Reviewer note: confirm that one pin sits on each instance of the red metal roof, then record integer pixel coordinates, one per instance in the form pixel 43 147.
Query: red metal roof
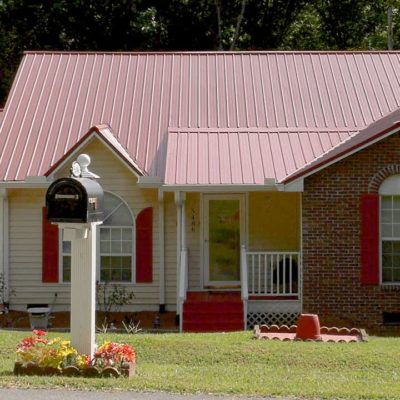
pixel 297 105
pixel 377 130
pixel 237 156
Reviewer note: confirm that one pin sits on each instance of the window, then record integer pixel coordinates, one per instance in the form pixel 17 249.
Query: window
pixel 390 229
pixel 116 241
pixel 390 238
pixel 66 260
pixel 115 244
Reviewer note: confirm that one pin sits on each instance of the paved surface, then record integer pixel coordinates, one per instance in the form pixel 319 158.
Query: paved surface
pixel 59 394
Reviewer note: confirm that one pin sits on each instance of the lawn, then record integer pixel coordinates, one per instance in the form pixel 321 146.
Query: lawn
pixel 235 363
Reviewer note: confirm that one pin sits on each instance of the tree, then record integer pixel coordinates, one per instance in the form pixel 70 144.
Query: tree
pixel 131 25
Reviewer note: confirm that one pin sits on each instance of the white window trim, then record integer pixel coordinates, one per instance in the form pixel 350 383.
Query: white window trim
pixel 60 259
pixel 133 254
pixel 389 187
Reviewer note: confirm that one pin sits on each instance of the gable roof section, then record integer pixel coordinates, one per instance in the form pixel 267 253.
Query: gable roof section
pixel 105 135
pixel 377 131
pixel 57 97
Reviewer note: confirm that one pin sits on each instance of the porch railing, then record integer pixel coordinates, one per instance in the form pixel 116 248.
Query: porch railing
pixel 274 274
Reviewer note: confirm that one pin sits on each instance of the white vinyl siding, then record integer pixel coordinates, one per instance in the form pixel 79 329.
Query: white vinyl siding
pixel 26 237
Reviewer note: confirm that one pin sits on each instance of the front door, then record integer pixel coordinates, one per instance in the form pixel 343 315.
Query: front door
pixel 222 235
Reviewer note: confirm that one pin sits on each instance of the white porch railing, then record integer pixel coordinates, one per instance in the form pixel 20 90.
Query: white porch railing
pixel 183 284
pixel 273 273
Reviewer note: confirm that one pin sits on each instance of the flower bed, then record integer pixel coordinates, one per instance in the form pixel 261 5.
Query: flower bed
pixel 37 355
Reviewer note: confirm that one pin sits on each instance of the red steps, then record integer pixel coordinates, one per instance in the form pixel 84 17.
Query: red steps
pixel 213 312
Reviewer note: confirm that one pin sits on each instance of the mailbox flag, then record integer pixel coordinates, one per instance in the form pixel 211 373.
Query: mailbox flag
pixel 49 250
pixel 144 246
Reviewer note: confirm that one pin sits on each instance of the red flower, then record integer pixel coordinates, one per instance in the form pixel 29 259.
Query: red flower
pixel 114 353
pixel 38 332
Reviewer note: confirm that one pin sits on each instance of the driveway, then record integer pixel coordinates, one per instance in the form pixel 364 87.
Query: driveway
pixel 60 394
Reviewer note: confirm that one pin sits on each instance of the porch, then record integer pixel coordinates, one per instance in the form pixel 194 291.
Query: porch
pixel 243 265
pixel 270 293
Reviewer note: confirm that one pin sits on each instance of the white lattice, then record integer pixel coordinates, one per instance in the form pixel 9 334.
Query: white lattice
pixel 272 313
pixel 272 318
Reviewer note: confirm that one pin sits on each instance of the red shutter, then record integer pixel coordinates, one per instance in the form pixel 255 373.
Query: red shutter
pixel 144 246
pixel 49 250
pixel 369 209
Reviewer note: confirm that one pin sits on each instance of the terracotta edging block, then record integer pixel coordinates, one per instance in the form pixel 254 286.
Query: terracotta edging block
pixel 309 330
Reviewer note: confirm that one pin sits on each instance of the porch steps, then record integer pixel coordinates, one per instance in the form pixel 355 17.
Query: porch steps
pixel 213 312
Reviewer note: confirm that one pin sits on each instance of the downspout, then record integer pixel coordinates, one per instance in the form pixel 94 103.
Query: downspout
pixel 4 261
pixel 161 249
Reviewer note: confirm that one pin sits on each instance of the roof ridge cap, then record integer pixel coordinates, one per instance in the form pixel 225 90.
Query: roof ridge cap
pixel 213 52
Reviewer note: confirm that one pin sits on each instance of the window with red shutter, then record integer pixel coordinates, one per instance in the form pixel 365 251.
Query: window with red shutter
pixel 49 250
pixel 369 209
pixel 144 246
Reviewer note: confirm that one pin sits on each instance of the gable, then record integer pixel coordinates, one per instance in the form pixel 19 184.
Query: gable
pixel 104 134
pixel 104 162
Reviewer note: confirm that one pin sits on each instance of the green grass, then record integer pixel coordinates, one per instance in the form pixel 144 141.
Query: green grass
pixel 235 363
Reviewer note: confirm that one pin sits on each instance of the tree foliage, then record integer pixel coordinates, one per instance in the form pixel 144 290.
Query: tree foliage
pixel 131 25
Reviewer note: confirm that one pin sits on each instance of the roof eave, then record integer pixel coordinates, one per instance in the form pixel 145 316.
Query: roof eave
pixel 225 188
pixel 312 169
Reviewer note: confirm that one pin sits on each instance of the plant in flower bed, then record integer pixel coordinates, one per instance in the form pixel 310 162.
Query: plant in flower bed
pixel 38 355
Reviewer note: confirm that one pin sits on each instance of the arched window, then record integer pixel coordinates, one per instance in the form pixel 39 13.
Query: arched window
pixel 389 192
pixel 116 241
pixel 115 245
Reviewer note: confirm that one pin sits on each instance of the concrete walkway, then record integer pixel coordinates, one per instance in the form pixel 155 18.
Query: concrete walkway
pixel 61 394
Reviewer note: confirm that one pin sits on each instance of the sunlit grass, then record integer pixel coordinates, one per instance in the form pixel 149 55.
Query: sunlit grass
pixel 235 363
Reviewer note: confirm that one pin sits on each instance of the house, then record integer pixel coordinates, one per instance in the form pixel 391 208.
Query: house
pixel 240 187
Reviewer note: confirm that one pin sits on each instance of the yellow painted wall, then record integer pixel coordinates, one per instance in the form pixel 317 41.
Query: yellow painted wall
pixel 274 221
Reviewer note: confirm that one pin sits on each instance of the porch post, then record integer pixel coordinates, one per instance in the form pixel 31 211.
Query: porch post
pixel 161 248
pixel 4 262
pixel 300 272
pixel 180 199
pixel 178 203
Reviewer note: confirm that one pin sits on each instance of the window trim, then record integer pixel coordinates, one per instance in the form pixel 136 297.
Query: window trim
pixel 98 227
pixel 389 187
pixel 60 259
pixel 132 255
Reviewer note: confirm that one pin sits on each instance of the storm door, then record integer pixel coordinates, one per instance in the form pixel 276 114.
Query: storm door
pixel 223 236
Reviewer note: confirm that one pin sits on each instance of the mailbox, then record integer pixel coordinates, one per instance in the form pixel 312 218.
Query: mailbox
pixel 76 200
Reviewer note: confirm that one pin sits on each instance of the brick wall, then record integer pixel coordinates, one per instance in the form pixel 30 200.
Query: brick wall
pixel 331 240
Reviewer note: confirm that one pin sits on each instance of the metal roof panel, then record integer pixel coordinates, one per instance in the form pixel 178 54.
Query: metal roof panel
pixel 301 105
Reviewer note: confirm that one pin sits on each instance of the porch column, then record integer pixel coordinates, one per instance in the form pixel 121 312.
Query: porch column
pixel 180 199
pixel 4 261
pixel 161 249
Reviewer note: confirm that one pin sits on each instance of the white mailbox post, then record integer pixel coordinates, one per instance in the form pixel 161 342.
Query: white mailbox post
pixel 83 284
pixel 76 205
